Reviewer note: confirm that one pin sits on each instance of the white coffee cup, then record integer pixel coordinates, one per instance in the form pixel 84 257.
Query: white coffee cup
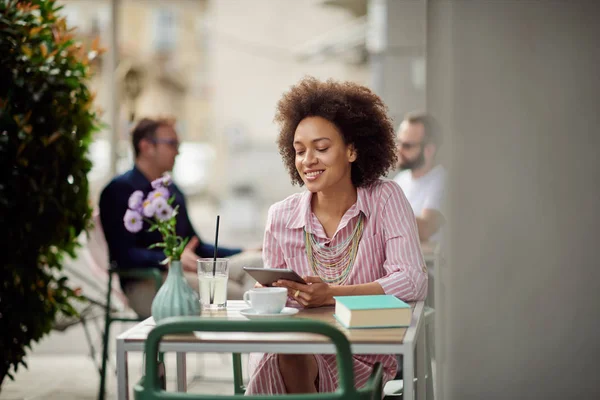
pixel 266 300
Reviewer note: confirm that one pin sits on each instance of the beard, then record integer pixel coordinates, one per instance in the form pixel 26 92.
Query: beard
pixel 415 163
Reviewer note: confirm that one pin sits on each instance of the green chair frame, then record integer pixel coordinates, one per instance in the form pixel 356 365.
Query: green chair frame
pixel 149 389
pixel 110 316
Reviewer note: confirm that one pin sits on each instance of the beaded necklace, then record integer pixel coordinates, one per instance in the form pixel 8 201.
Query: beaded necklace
pixel 333 264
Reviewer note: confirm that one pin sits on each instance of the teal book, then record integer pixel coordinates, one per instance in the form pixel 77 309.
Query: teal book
pixel 372 311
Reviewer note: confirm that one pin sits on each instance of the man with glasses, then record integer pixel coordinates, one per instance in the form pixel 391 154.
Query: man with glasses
pixel 422 178
pixel 156 145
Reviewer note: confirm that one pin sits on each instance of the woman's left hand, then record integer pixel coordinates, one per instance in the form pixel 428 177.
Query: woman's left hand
pixel 315 293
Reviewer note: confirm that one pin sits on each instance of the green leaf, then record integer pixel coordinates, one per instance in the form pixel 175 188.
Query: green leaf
pixel 180 248
pixel 184 242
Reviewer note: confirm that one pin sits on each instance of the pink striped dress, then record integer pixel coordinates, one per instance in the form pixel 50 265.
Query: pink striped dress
pixel 389 253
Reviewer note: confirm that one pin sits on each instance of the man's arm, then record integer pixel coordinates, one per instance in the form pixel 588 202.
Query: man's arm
pixel 121 243
pixel 204 250
pixel 432 217
pixel 429 223
pixel 208 250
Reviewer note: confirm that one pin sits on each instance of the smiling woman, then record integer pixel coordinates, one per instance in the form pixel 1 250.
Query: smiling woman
pixel 349 233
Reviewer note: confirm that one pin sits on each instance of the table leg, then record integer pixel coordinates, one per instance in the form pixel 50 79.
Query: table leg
pixel 181 373
pixel 122 375
pixel 438 343
pixel 408 375
pixel 421 343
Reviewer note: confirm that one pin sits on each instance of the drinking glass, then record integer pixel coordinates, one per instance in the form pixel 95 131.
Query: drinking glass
pixel 212 278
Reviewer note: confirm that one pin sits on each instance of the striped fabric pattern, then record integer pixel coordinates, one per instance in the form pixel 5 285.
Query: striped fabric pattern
pixel 389 253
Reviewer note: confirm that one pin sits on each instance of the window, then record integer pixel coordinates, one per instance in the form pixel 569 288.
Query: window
pixel 165 30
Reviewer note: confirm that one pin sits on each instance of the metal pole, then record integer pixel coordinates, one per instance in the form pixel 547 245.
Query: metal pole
pixel 376 42
pixel 113 61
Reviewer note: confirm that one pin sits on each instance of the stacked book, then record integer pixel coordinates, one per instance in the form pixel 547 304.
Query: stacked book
pixel 372 311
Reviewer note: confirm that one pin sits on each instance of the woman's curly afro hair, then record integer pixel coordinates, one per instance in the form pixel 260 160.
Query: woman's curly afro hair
pixel 355 110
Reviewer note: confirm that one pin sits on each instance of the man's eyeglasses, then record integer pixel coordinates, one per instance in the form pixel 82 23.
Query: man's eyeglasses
pixel 171 142
pixel 409 145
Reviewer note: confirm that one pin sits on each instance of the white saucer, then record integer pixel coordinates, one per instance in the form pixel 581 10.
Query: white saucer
pixel 286 312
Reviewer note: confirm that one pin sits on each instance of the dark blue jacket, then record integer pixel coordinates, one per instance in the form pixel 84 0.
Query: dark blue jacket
pixel 130 250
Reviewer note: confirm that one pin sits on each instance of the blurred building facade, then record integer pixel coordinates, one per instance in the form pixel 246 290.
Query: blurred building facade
pixel 219 67
pixel 162 58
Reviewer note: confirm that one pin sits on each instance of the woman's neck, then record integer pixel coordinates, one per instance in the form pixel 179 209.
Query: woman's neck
pixel 334 202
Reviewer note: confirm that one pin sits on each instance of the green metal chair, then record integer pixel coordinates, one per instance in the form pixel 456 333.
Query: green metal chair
pixel 110 315
pixel 148 387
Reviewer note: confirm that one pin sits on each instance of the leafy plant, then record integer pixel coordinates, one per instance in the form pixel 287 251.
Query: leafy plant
pixel 46 126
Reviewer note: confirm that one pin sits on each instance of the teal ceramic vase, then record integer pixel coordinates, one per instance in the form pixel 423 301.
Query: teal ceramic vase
pixel 175 297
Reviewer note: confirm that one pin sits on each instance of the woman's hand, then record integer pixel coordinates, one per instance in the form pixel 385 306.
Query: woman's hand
pixel 315 293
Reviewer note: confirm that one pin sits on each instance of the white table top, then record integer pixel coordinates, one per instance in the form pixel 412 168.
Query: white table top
pixel 365 341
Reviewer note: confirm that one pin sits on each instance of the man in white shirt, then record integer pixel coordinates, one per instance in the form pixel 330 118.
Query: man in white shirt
pixel 422 179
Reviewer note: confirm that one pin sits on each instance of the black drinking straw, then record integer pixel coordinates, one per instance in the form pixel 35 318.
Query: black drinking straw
pixel 212 287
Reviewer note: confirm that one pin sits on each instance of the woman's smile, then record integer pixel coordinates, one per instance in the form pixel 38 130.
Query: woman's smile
pixel 313 174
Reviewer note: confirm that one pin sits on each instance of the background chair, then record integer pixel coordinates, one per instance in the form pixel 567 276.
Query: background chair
pixel 394 389
pixel 103 297
pixel 111 315
pixel 97 258
pixel 148 387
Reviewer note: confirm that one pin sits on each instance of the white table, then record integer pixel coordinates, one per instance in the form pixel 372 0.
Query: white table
pixel 362 341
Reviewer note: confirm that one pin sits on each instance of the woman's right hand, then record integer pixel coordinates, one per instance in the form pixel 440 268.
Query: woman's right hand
pixel 315 293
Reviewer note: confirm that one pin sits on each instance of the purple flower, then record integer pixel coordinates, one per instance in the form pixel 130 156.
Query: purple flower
pixel 164 213
pixel 135 200
pixel 162 182
pixel 160 192
pixel 157 183
pixel 166 179
pixel 133 221
pixel 148 208
pixel 159 203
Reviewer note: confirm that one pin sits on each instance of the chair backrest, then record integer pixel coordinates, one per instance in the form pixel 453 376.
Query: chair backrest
pixel 97 258
pixel 88 272
pixel 97 247
pixel 148 388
